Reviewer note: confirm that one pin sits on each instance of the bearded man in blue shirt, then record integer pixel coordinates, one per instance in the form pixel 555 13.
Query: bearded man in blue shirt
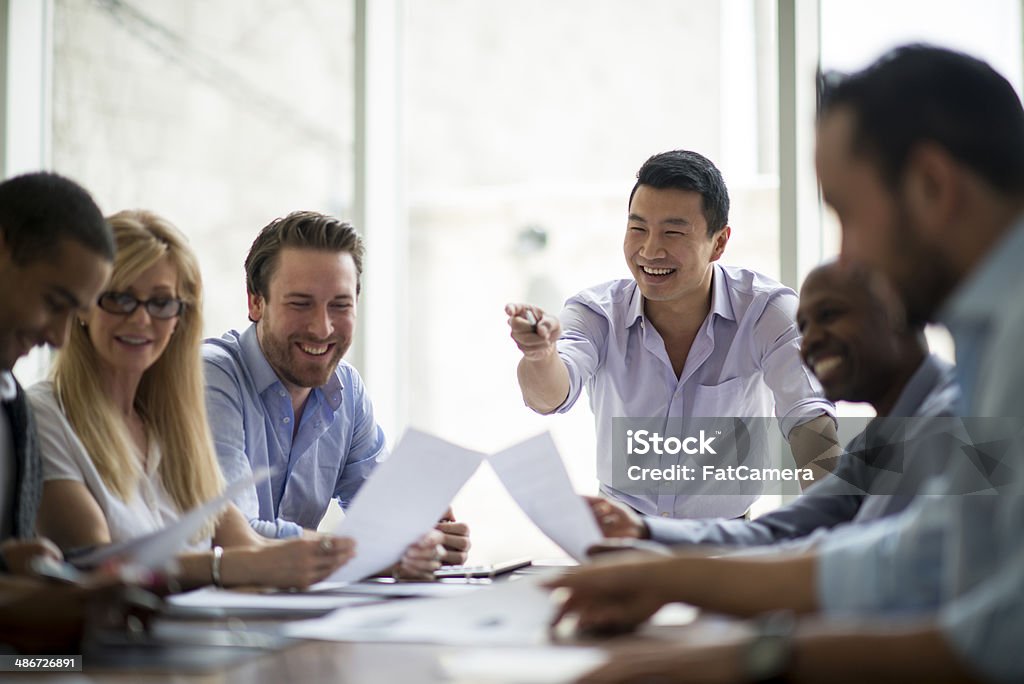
pixel 280 395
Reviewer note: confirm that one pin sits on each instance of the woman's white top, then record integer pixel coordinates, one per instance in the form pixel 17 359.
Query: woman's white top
pixel 64 457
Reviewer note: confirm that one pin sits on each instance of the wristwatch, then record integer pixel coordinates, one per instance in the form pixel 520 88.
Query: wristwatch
pixel 769 655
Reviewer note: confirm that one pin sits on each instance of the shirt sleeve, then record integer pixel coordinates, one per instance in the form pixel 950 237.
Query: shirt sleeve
pixel 581 346
pixel 985 620
pixel 368 446
pixel 224 409
pixel 825 505
pixel 798 395
pixel 892 565
pixel 985 625
pixel 58 443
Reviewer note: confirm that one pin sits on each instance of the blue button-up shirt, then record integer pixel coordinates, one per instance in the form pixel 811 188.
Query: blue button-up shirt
pixel 334 450
pixel 744 362
pixel 962 555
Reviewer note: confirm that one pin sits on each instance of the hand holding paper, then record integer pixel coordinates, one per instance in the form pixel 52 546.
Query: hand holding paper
pixel 535 476
pixel 402 500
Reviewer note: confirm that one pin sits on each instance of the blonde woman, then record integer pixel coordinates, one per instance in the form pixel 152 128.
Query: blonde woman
pixel 123 431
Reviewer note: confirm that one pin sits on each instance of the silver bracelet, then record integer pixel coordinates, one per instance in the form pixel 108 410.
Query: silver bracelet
pixel 218 553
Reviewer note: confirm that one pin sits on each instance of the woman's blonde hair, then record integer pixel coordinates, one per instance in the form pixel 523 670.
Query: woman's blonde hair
pixel 170 397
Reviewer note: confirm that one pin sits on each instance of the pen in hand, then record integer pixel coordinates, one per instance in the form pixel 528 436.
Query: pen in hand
pixel 531 319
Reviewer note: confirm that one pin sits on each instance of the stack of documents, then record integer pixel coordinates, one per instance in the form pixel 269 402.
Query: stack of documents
pixel 213 602
pixel 514 613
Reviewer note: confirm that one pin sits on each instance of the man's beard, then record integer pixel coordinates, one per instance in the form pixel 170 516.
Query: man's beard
pixel 921 273
pixel 280 355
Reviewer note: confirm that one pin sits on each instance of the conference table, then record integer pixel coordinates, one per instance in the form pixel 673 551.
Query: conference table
pixel 251 651
pixel 309 662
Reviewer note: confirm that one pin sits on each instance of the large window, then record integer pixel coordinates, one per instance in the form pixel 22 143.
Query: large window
pixel 524 126
pixel 219 115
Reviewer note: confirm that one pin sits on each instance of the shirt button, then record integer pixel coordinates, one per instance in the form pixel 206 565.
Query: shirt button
pixel 281 392
pixel 286 420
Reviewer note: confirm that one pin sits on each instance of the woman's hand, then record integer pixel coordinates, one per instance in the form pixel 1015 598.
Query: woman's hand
pixel 19 553
pixel 291 564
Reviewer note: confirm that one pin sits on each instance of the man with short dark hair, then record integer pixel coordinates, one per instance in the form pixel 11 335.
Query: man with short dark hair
pixel 684 337
pixel 56 252
pixel 280 394
pixel 55 256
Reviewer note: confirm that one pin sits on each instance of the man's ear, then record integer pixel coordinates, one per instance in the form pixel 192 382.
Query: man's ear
pixel 256 304
pixel 720 239
pixel 932 188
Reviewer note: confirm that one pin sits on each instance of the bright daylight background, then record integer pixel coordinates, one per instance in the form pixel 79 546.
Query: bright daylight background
pixel 490 147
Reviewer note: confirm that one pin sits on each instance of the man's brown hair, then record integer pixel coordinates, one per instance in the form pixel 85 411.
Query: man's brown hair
pixel 305 230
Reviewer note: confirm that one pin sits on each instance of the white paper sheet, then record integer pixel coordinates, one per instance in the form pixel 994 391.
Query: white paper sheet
pixel 412 489
pixel 397 589
pixel 245 603
pixel 535 476
pixel 157 549
pixel 402 501
pixel 674 614
pixel 515 613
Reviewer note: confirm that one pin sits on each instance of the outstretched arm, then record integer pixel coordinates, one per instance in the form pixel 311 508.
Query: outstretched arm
pixel 820 652
pixel 619 595
pixel 543 376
